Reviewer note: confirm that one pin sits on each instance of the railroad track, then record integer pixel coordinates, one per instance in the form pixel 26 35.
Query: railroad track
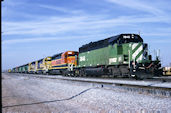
pixel 159 79
pixel 156 86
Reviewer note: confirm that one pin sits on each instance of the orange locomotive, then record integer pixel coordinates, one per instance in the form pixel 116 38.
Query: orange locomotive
pixel 64 63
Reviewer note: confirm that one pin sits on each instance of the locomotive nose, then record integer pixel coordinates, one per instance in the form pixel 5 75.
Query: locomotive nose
pixel 137 52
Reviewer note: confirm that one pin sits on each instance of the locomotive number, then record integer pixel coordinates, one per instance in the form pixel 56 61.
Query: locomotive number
pixel 111 60
pixel 82 58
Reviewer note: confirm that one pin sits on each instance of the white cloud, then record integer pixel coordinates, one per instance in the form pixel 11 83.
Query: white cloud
pixel 26 40
pixel 138 5
pixel 55 25
pixel 159 41
pixel 155 33
pixel 40 39
pixel 61 9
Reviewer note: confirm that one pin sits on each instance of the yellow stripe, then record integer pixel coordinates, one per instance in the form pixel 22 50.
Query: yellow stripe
pixel 58 68
pixel 59 64
pixel 71 57
pixel 57 59
pixel 39 69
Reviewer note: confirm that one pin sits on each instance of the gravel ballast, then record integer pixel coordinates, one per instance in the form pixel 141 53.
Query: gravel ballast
pixel 31 94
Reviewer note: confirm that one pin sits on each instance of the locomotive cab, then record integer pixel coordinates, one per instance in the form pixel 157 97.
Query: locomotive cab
pixel 70 58
pixel 125 38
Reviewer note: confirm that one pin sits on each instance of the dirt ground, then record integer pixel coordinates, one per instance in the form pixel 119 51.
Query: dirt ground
pixel 24 94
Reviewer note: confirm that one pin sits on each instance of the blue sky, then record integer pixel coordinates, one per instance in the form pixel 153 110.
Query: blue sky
pixel 33 29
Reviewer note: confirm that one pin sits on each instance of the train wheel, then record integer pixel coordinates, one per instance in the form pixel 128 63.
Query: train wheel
pixel 115 72
pixel 66 73
pixel 76 73
pixel 83 73
pixel 139 75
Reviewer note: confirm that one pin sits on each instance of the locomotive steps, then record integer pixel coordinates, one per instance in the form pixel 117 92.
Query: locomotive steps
pixel 152 87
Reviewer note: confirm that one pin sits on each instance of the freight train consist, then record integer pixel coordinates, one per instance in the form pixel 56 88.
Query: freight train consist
pixel 124 55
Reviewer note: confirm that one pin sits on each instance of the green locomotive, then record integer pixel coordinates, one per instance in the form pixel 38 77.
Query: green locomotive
pixel 124 55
